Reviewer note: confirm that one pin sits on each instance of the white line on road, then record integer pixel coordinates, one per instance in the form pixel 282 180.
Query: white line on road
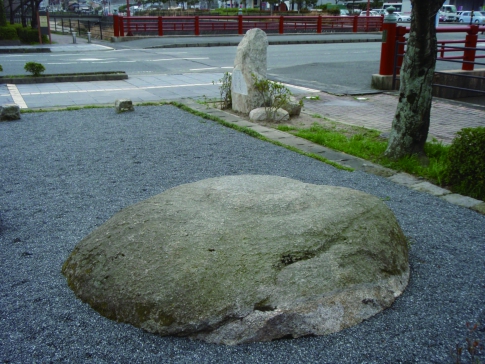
pixel 114 89
pixel 203 69
pixel 16 97
pixel 176 59
pixel 300 88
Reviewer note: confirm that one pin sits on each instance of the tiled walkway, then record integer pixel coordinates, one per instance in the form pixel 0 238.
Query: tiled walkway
pixel 376 111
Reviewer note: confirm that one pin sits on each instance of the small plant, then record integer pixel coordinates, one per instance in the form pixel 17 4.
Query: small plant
pixel 35 68
pixel 274 94
pixel 1 68
pixel 225 91
pixel 473 347
pixel 313 97
pixel 465 171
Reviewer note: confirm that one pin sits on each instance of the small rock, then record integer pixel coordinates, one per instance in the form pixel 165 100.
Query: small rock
pixel 123 105
pixel 265 114
pixel 9 112
pixel 293 107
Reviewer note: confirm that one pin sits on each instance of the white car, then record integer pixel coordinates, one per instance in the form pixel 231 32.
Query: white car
pixel 380 11
pixel 478 17
pixel 370 13
pixel 402 17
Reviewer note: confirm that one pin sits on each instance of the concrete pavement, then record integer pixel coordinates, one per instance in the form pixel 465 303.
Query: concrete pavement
pixel 373 111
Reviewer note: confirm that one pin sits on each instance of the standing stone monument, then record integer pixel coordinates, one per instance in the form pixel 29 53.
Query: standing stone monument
pixel 251 59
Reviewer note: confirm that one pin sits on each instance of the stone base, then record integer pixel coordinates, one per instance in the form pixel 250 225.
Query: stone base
pixel 381 82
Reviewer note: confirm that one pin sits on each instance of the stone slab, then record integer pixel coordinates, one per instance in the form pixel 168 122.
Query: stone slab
pixel 430 188
pixel 404 179
pixel 460 200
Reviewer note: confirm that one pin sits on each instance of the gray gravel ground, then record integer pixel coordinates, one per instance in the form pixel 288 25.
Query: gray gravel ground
pixel 64 173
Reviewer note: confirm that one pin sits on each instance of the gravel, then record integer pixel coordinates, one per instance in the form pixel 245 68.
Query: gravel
pixel 65 173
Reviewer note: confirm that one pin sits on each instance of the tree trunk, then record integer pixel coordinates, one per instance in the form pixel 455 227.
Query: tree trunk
pixel 411 122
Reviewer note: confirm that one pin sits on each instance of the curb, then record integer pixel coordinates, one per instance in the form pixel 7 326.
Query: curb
pixel 95 76
pixel 404 179
pixel 276 42
pixel 24 50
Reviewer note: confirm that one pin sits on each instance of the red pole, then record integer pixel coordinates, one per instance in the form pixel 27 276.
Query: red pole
pixel 387 48
pixel 469 54
pixel 160 26
pixel 319 24
pixel 240 24
pixel 400 37
pixel 282 25
pixel 122 28
pixel 116 28
pixel 354 24
pixel 196 25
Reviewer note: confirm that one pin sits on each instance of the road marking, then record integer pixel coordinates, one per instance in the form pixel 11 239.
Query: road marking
pixel 208 68
pixel 113 89
pixel 202 69
pixel 176 59
pixel 17 98
pixel 300 87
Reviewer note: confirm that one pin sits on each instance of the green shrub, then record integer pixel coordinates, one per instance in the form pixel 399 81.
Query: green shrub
pixel 30 35
pixel 335 11
pixel 8 33
pixel 466 163
pixel 35 68
pixel 225 91
pixel 3 18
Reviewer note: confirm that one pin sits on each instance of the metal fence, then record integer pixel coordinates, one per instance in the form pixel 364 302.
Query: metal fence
pixel 239 24
pixel 468 53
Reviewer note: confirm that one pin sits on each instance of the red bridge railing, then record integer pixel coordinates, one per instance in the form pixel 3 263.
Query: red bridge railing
pixel 197 25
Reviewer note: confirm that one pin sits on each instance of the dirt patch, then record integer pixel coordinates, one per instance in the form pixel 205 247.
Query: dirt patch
pixel 303 121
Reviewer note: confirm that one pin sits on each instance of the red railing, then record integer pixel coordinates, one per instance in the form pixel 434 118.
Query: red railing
pixel 469 51
pixel 393 51
pixel 197 25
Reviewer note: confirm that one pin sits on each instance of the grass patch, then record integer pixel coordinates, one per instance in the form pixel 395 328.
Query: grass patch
pixel 367 144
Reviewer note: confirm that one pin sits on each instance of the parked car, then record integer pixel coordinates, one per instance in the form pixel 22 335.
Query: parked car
pixel 380 11
pixel 368 13
pixel 403 17
pixel 478 17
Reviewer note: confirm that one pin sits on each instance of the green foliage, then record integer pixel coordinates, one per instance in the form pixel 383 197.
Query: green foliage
pixel 30 35
pixel 323 6
pixel 1 68
pixel 368 144
pixel 35 68
pixel 466 163
pixel 334 11
pixel 3 18
pixel 225 91
pixel 274 94
pixel 8 33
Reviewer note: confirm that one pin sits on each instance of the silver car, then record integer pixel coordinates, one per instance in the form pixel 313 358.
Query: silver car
pixel 476 17
pixel 402 17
